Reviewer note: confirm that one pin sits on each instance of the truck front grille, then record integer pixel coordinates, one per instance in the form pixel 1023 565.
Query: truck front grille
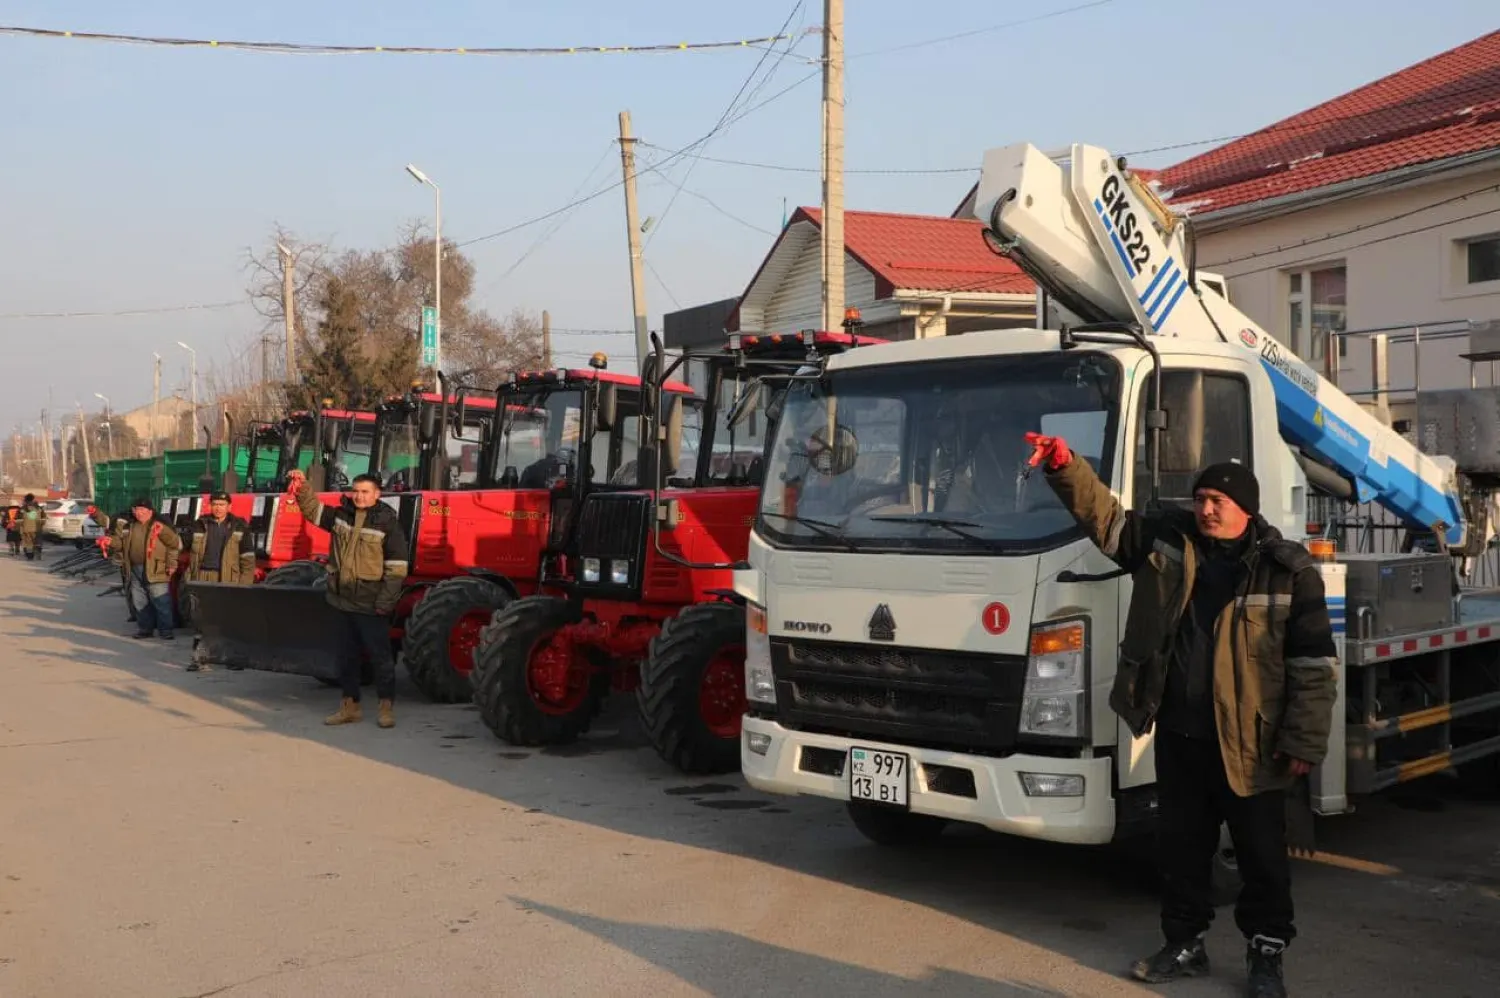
pixel 920 697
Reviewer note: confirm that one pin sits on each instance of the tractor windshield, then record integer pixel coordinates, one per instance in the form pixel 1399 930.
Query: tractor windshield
pixel 353 457
pixel 742 423
pixel 400 449
pixel 539 437
pixel 933 457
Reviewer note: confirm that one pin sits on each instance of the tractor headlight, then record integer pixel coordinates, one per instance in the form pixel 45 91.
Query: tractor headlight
pixel 760 682
pixel 619 572
pixel 1055 701
pixel 590 572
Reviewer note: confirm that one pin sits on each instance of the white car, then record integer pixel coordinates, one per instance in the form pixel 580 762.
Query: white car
pixel 68 520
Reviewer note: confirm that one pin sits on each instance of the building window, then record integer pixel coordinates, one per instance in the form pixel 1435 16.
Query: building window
pixel 1317 308
pixel 1484 259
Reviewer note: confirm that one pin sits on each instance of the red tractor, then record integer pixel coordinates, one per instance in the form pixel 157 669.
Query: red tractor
pixel 561 435
pixel 475 495
pixel 647 605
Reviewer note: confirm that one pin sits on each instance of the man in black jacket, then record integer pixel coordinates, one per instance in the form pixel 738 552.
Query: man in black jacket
pixel 367 563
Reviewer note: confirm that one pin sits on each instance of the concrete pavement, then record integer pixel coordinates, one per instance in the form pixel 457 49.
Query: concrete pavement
pixel 172 834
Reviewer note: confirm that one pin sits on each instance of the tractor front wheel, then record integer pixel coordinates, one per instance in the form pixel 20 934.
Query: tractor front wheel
pixel 443 633
pixel 533 684
pixel 691 696
pixel 297 573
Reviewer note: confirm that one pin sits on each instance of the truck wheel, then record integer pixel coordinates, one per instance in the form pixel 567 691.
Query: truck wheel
pixel 691 696
pixel 296 573
pixel 895 829
pixel 532 684
pixel 443 632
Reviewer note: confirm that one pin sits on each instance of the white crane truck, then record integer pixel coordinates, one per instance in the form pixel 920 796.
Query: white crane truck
pixel 932 638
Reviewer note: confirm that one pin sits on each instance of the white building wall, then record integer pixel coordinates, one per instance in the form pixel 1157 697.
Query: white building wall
pixel 1405 258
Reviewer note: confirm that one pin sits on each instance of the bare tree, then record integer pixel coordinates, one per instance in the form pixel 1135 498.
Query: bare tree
pixel 310 267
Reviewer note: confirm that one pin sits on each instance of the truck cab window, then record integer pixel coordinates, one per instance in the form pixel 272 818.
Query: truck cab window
pixel 1226 408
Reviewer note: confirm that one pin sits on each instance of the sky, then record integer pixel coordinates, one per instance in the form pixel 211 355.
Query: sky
pixel 139 177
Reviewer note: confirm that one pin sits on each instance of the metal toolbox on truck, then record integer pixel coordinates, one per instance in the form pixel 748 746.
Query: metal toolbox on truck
pixel 1392 594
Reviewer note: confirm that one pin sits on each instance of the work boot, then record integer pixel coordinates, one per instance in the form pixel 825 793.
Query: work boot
pixel 387 718
pixel 1172 961
pixel 348 713
pixel 1263 978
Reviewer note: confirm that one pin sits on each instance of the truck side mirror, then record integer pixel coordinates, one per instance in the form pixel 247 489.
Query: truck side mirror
pixel 331 434
pixel 609 404
pixel 1182 442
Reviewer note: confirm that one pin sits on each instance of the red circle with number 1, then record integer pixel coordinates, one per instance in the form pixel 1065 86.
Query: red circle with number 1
pixel 997 618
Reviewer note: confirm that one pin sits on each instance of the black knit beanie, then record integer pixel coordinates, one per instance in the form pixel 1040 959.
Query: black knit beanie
pixel 1234 480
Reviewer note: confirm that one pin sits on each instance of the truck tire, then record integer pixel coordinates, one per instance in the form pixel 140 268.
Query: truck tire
pixel 442 634
pixel 691 696
pixel 297 573
pixel 516 666
pixel 886 826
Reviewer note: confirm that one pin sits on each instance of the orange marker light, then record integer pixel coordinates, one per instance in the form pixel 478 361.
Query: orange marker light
pixel 1057 640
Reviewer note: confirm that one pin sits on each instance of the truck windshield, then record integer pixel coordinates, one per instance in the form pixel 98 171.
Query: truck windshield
pixel 353 458
pixel 931 457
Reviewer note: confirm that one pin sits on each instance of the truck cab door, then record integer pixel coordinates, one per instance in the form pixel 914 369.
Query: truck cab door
pixel 1208 400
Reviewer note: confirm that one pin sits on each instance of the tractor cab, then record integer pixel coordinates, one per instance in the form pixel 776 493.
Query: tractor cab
pixel 644 561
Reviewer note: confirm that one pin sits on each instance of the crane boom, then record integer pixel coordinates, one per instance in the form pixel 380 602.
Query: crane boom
pixel 1106 248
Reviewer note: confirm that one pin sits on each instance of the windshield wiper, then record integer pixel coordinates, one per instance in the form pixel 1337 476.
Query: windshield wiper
pixel 830 530
pixel 952 526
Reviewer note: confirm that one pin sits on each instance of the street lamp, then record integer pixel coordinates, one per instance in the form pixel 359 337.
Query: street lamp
pixel 437 264
pixel 194 375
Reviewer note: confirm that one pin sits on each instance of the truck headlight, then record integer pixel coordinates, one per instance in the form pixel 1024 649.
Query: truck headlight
pixel 1055 701
pixel 619 572
pixel 590 572
pixel 760 682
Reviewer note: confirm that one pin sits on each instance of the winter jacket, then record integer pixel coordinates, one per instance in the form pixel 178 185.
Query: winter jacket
pixel 236 563
pixel 161 544
pixel 1274 664
pixel 31 518
pixel 367 553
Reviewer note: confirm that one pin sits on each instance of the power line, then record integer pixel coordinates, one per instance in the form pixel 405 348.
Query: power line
pixel 205 307
pixel 1357 228
pixel 1371 242
pixel 733 103
pixel 650 267
pixel 983 31
pixel 312 48
pixel 616 185
pixel 720 209
pixel 781 168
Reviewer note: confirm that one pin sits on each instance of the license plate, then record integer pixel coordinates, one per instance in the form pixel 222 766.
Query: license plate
pixel 878 776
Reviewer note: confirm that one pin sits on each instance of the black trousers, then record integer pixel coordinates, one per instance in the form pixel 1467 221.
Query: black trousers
pixel 1194 798
pixel 366 635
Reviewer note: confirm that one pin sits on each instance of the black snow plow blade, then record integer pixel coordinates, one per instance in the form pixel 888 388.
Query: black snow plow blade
pixel 288 629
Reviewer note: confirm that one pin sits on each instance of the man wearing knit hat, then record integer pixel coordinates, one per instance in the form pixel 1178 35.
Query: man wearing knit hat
pixel 1228 655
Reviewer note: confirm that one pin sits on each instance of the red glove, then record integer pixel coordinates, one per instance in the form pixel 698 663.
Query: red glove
pixel 294 482
pixel 103 543
pixel 92 510
pixel 1052 450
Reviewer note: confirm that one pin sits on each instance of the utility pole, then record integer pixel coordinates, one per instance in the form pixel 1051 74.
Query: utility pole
pixel 546 340
pixel 633 227
pixel 288 309
pixel 88 461
pixel 47 449
pixel 833 164
pixel 156 405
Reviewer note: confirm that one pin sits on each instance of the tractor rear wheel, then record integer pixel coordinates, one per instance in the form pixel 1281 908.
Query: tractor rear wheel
pixel 443 632
pixel 691 696
pixel 532 684
pixel 297 573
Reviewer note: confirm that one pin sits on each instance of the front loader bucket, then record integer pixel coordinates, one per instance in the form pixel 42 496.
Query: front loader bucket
pixel 271 628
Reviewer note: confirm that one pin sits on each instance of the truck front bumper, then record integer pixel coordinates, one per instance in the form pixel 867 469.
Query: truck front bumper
pixel 979 789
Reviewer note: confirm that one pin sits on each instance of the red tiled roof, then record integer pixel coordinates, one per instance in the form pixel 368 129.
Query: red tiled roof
pixel 926 252
pixel 1447 106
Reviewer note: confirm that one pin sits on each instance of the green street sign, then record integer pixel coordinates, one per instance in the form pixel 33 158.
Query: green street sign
pixel 429 336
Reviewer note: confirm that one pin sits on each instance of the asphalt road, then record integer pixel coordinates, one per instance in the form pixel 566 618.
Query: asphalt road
pixel 173 834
